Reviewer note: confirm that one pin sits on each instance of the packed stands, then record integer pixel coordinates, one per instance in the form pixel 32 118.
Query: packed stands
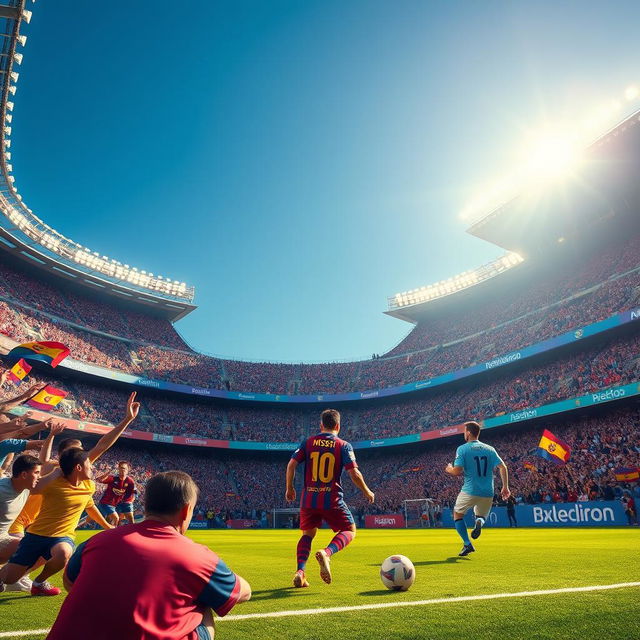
pixel 128 341
pixel 246 486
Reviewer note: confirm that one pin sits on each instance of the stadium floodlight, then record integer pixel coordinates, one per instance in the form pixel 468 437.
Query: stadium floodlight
pixel 22 40
pixel 9 105
pixel 12 89
pixel 8 117
pixel 14 76
pixel 550 155
pixel 18 57
pixel 26 15
pixel 7 130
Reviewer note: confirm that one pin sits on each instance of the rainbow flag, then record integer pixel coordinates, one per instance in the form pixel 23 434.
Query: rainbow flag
pixel 46 399
pixel 530 466
pixel 52 353
pixel 627 474
pixel 552 448
pixel 19 371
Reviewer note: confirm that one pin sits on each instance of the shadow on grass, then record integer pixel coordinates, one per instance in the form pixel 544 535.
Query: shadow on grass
pixel 278 594
pixel 6 598
pixel 451 560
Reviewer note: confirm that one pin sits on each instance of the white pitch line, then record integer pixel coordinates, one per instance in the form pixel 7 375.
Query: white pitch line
pixel 384 605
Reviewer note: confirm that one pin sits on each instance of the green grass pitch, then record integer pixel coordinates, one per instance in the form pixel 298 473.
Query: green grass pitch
pixel 506 561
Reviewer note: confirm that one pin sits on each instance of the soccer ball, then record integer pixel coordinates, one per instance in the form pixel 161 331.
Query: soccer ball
pixel 397 573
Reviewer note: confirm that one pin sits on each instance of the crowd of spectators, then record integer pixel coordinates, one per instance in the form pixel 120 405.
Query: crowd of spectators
pixel 612 361
pixel 251 487
pixel 537 305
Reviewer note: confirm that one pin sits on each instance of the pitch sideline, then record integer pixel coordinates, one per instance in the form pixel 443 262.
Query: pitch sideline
pixel 385 605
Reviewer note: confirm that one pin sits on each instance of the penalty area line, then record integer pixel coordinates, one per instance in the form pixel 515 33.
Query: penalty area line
pixel 383 605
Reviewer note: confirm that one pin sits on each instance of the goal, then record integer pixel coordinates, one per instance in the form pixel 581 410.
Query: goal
pixel 285 518
pixel 422 513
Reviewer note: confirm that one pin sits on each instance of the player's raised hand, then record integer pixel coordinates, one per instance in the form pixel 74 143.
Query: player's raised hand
pixel 505 493
pixel 133 408
pixel 290 494
pixel 56 428
pixel 370 496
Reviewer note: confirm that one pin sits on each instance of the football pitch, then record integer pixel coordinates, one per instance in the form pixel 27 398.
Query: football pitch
pixel 510 568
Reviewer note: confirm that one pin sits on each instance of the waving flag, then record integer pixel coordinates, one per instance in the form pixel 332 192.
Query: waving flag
pixel 530 466
pixel 552 448
pixel 19 371
pixel 46 399
pixel 627 474
pixel 52 353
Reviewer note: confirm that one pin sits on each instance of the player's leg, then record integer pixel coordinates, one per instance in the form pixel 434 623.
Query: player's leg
pixel 59 554
pixel 24 583
pixel 206 630
pixel 108 512
pixel 481 510
pixel 310 520
pixel 125 513
pixel 344 527
pixel 463 503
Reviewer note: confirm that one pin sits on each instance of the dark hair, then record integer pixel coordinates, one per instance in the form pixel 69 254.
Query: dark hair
pixel 123 462
pixel 67 443
pixel 473 428
pixel 24 463
pixel 330 419
pixel 70 458
pixel 168 492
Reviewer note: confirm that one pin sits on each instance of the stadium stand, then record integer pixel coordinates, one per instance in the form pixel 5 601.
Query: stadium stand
pixel 131 342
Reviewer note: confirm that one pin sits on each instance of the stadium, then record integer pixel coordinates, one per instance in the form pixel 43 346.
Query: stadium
pixel 545 337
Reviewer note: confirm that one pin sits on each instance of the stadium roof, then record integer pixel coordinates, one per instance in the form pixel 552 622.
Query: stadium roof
pixel 600 189
pixel 28 238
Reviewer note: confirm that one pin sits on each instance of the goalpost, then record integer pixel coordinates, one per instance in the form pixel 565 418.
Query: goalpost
pixel 421 513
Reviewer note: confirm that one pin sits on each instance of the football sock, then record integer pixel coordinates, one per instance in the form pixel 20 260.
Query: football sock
pixel 303 551
pixel 339 542
pixel 461 528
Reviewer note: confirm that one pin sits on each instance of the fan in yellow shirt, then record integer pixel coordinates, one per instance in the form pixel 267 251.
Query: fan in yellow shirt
pixel 51 535
pixel 31 508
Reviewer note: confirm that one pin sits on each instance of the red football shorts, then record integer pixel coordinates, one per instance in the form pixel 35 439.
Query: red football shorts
pixel 339 518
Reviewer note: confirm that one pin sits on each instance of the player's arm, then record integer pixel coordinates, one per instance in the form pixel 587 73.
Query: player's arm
pixel 94 513
pixel 11 403
pixel 290 494
pixel 358 479
pixel 6 465
pixel 45 481
pixel 13 426
pixel 54 430
pixel 107 440
pixel 457 468
pixel 105 478
pixel 504 476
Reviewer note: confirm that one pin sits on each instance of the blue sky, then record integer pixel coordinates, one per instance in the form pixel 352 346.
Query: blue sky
pixel 297 162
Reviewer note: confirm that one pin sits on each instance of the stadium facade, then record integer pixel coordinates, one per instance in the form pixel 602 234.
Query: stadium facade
pixel 548 334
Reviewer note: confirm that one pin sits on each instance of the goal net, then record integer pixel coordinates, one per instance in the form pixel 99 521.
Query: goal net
pixel 285 518
pixel 422 513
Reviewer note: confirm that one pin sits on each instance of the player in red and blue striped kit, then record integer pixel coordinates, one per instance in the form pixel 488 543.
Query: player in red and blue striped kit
pixel 324 456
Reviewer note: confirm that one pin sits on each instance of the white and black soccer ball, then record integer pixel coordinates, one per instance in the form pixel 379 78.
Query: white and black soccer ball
pixel 397 573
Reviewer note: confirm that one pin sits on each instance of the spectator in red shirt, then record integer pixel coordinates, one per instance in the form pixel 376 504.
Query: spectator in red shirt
pixel 170 583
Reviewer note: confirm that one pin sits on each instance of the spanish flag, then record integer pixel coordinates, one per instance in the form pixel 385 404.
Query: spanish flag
pixel 46 399
pixel 52 353
pixel 627 474
pixel 553 449
pixel 19 371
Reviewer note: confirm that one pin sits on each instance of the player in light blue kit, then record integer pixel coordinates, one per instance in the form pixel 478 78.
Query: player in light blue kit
pixel 476 461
